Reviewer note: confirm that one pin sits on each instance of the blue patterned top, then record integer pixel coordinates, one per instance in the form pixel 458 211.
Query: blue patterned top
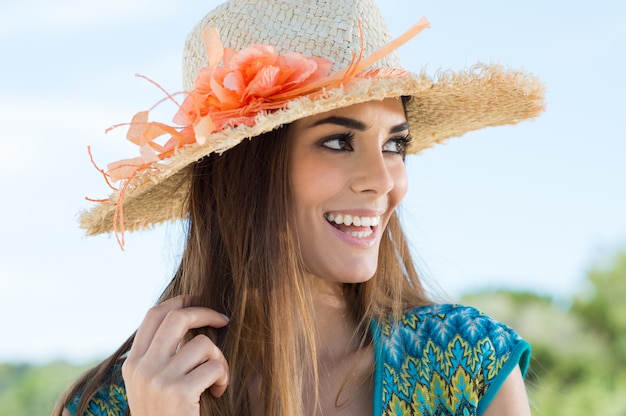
pixel 443 360
pixel 110 400
pixel 439 360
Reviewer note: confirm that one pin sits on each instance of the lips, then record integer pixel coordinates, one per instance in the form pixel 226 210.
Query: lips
pixel 356 226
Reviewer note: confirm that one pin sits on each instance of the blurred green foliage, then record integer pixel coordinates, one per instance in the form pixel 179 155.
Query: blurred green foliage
pixel 579 347
pixel 579 350
pixel 32 390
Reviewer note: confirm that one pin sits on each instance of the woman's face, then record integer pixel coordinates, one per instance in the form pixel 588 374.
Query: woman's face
pixel 347 176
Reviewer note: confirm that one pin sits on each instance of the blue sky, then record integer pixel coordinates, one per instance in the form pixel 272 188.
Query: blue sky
pixel 527 207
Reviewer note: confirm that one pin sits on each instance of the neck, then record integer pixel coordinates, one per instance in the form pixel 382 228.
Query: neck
pixel 335 325
pixel 345 366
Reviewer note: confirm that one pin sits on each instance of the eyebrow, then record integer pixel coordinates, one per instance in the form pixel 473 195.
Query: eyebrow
pixel 342 121
pixel 356 124
pixel 399 128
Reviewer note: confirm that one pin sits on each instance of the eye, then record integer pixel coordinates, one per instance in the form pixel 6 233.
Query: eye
pixel 340 142
pixel 398 145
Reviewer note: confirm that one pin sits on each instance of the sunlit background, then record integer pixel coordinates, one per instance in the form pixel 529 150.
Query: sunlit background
pixel 527 208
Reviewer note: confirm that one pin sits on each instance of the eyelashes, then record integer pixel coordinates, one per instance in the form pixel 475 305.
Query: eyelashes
pixel 344 142
pixel 401 144
pixel 339 142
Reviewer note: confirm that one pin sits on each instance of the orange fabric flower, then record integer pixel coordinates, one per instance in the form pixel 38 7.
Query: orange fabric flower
pixel 233 93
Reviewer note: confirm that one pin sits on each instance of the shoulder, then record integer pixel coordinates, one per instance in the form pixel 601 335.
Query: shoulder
pixel 434 350
pixel 443 325
pixel 108 400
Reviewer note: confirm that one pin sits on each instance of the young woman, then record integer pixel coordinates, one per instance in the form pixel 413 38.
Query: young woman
pixel 296 293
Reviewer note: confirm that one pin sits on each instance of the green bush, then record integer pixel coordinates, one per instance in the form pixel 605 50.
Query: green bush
pixel 579 351
pixel 28 390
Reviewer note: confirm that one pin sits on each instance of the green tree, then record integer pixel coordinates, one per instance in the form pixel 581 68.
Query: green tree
pixel 27 390
pixel 602 306
pixel 579 346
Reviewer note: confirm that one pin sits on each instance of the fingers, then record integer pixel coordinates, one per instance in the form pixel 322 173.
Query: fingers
pixel 196 353
pixel 212 374
pixel 151 323
pixel 163 376
pixel 176 324
pixel 166 324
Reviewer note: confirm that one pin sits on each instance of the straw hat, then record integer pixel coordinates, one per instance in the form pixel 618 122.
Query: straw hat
pixel 333 39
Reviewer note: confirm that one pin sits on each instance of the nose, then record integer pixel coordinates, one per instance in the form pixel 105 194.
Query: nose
pixel 372 174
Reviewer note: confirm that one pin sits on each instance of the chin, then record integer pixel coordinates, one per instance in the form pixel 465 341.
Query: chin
pixel 352 275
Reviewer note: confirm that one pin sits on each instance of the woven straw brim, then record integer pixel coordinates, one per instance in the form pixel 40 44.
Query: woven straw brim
pixel 451 106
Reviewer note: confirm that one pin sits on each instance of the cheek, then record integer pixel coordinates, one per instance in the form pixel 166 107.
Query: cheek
pixel 314 180
pixel 305 184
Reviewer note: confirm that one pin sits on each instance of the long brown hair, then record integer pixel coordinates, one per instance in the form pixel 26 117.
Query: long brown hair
pixel 242 259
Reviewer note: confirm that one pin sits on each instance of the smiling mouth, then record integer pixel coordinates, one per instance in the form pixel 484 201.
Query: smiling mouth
pixel 353 225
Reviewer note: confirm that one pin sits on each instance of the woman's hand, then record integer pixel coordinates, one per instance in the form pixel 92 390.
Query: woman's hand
pixel 165 377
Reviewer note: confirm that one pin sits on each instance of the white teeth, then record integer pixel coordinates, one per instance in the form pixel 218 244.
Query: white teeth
pixel 353 220
pixel 361 234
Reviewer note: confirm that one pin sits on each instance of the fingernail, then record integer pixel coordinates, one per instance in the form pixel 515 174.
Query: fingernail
pixel 225 317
